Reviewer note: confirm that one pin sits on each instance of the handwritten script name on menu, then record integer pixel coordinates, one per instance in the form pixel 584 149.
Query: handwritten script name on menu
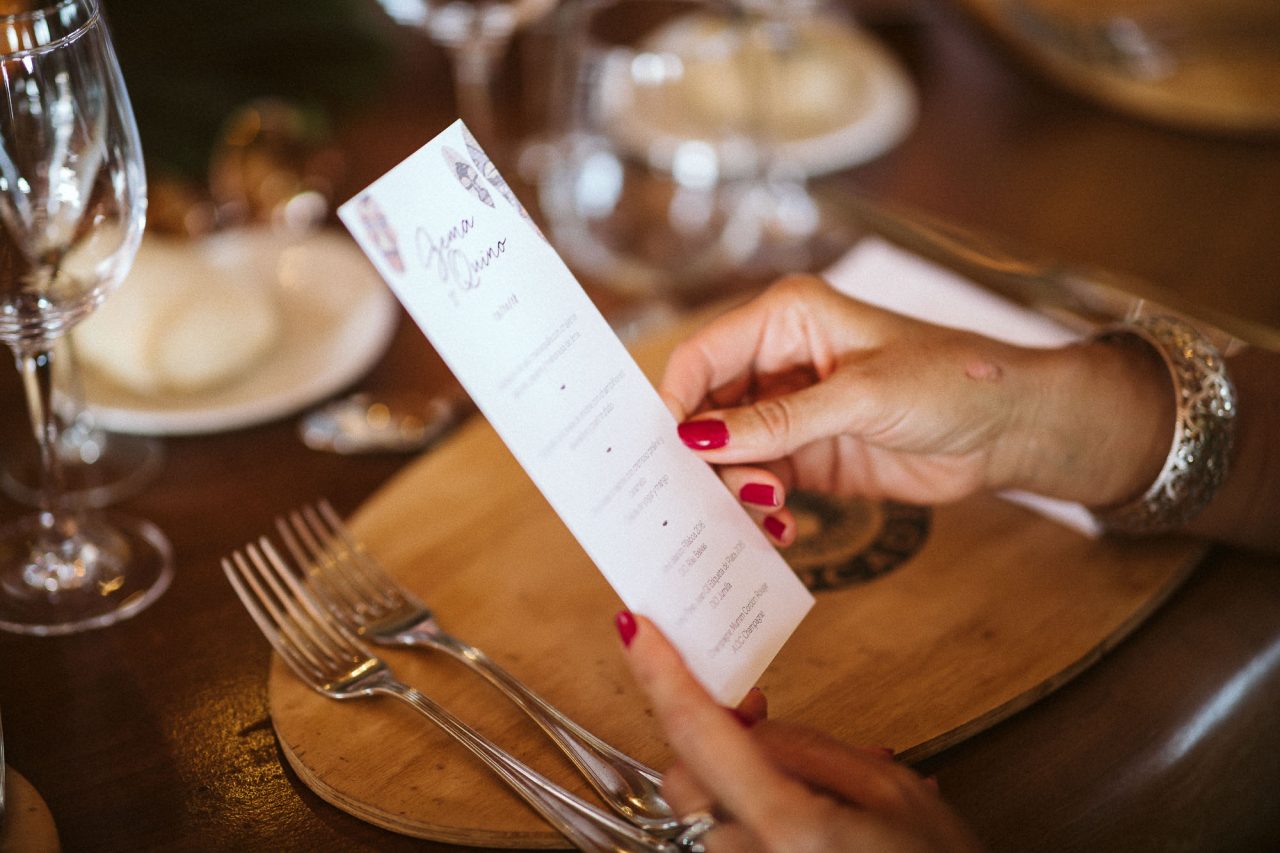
pixel 517 330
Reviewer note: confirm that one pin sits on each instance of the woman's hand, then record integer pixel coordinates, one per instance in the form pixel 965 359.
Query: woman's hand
pixel 805 388
pixel 779 787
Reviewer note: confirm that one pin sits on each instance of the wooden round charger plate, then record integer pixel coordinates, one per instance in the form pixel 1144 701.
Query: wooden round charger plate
pixel 996 608
pixel 28 825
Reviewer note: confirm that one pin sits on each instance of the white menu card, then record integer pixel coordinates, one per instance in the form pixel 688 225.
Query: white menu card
pixel 516 328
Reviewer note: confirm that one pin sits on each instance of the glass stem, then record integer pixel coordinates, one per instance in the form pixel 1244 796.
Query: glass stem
pixel 80 427
pixel 473 70
pixel 36 366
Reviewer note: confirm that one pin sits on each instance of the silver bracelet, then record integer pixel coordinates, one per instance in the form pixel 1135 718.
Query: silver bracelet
pixel 1203 433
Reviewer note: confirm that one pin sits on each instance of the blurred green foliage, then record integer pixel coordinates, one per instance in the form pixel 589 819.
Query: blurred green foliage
pixel 189 64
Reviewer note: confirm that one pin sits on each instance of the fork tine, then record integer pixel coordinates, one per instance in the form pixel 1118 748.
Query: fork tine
pixel 326 578
pixel 362 564
pixel 255 602
pixel 285 612
pixel 329 636
pixel 341 565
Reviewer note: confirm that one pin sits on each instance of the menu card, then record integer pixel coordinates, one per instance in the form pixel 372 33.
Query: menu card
pixel 513 324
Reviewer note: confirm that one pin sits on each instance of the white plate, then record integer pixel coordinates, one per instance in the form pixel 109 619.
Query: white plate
pixel 852 100
pixel 337 319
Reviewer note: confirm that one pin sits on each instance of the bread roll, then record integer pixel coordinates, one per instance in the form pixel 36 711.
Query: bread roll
pixel 190 317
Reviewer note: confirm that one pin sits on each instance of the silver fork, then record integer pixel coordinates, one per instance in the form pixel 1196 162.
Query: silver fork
pixel 360 594
pixel 332 661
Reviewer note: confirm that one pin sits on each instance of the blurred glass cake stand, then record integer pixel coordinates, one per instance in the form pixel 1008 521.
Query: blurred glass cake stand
pixel 689 133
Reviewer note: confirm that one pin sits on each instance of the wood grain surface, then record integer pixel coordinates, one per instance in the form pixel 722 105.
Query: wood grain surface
pixel 26 825
pixel 1205 64
pixel 998 607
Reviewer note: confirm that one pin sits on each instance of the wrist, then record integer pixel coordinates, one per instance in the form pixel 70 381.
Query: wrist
pixel 1094 423
pixel 1203 430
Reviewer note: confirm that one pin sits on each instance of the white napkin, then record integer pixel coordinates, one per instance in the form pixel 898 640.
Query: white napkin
pixel 882 274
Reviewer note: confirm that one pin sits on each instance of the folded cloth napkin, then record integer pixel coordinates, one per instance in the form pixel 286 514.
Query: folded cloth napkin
pixel 882 274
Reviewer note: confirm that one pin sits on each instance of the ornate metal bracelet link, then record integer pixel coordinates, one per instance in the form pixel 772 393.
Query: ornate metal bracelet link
pixel 1203 434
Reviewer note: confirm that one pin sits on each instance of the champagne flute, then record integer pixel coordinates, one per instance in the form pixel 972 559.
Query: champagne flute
pixel 72 208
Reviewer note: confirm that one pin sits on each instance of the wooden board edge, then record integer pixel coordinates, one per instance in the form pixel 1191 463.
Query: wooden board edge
pixel 550 840
pixel 1027 698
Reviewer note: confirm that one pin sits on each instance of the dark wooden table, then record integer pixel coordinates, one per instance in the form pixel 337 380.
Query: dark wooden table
pixel 154 734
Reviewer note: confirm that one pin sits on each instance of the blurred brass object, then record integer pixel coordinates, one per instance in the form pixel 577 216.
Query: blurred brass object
pixel 274 162
pixel 1203 64
pixel 179 208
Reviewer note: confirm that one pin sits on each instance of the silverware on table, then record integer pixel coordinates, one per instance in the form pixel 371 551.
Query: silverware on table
pixel 390 423
pixel 359 593
pixel 332 661
pixel 1081 297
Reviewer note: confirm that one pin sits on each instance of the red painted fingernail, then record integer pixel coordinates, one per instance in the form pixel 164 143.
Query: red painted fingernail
pixel 744 720
pixel 626 625
pixel 774 527
pixel 760 494
pixel 707 434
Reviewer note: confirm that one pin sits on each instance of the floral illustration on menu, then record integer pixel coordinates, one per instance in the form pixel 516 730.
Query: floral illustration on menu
pixel 380 232
pixel 491 174
pixel 466 175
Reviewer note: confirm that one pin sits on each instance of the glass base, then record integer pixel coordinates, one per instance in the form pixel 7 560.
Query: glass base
pixel 97 471
pixel 118 566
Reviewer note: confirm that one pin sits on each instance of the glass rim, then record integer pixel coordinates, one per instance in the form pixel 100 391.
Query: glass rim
pixel 18 38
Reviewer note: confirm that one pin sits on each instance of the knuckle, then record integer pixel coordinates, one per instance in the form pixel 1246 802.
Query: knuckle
pixel 682 725
pixel 676 359
pixel 688 356
pixel 684 351
pixel 806 829
pixel 890 789
pixel 677 783
pixel 776 421
pixel 796 287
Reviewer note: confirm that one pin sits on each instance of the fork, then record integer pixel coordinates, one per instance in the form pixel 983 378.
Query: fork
pixel 360 594
pixel 332 661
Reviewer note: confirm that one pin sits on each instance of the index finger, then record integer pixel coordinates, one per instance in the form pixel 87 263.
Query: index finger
pixel 764 334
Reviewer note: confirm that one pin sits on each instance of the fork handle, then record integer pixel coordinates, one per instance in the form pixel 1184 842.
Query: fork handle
pixel 586 826
pixel 631 788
